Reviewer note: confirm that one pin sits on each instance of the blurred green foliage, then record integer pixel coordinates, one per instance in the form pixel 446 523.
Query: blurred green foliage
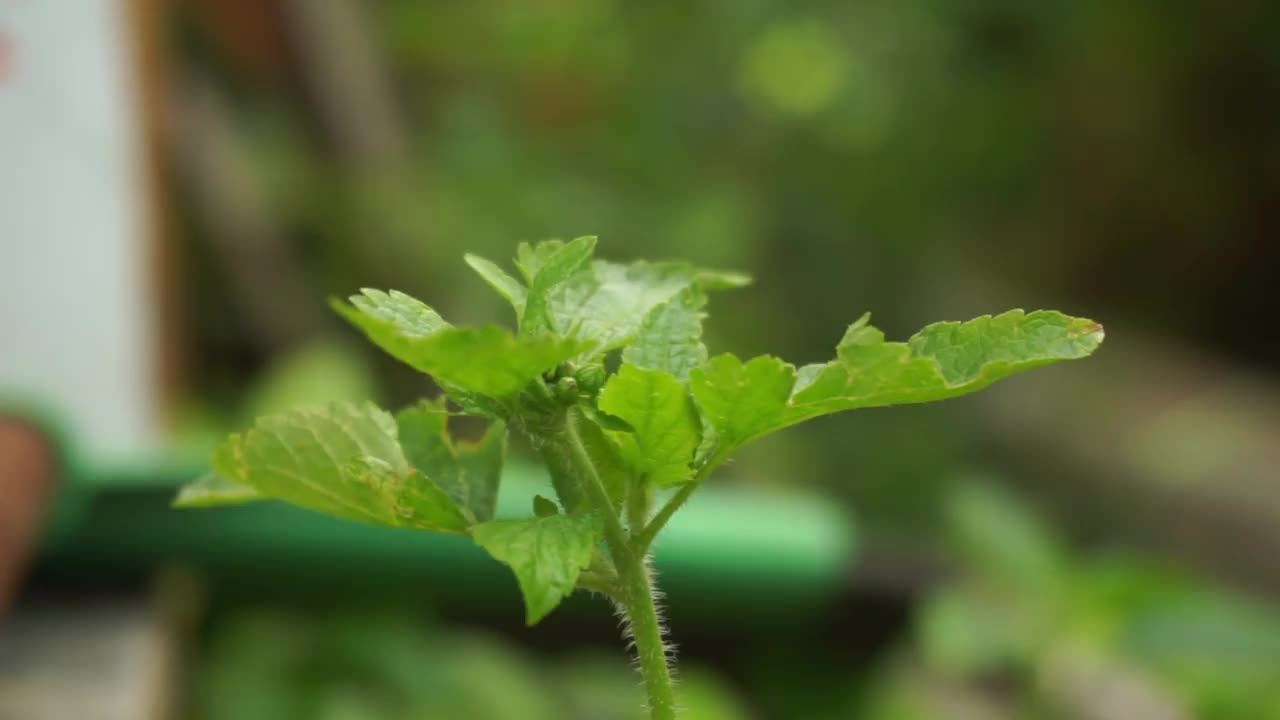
pixel 920 159
pixel 321 373
pixel 374 664
pixel 1023 628
pixel 1026 630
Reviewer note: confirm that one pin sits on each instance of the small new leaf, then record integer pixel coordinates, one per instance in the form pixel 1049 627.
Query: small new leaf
pixel 531 258
pixel 548 267
pixel 498 279
pixel 667 429
pixel 344 460
pixel 545 553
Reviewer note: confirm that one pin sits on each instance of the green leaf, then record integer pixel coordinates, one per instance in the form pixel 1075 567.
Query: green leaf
pixel 544 507
pixel 212 490
pixel 601 303
pixel 507 286
pixel 531 258
pixel 740 400
pixel 944 360
pixel 393 320
pixel 411 317
pixel 567 477
pixel 471 403
pixel 487 361
pixel 605 420
pixel 344 460
pixel 605 306
pixel 480 465
pixel 546 554
pixel 469 473
pixel 549 266
pixel 670 336
pixel 667 429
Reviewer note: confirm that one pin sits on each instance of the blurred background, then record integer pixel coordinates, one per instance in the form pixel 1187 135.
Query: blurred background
pixel 184 182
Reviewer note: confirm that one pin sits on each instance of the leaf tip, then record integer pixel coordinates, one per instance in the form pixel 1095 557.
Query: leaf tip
pixel 1085 334
pixel 182 500
pixel 345 309
pixel 722 279
pixel 544 507
pixel 476 262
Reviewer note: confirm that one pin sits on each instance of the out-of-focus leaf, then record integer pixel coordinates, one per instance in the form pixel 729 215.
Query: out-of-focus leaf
pixel 544 507
pixel 1001 541
pixel 468 472
pixel 962 636
pixel 320 373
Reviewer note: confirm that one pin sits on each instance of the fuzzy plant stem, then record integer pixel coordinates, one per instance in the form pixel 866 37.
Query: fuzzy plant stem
pixel 635 595
pixel 641 611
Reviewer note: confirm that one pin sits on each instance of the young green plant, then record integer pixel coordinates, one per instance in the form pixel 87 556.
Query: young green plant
pixel 612 440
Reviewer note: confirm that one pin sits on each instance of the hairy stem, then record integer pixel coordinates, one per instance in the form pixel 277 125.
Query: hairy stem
pixel 659 521
pixel 640 608
pixel 634 591
pixel 639 498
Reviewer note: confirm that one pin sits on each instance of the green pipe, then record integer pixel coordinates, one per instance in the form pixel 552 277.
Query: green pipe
pixel 727 543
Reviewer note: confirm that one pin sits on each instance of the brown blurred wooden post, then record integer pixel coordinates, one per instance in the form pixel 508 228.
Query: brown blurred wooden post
pixel 147 23
pixel 27 470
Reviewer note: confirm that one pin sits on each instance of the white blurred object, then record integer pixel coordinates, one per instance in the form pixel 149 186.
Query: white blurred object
pixel 107 660
pixel 77 320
